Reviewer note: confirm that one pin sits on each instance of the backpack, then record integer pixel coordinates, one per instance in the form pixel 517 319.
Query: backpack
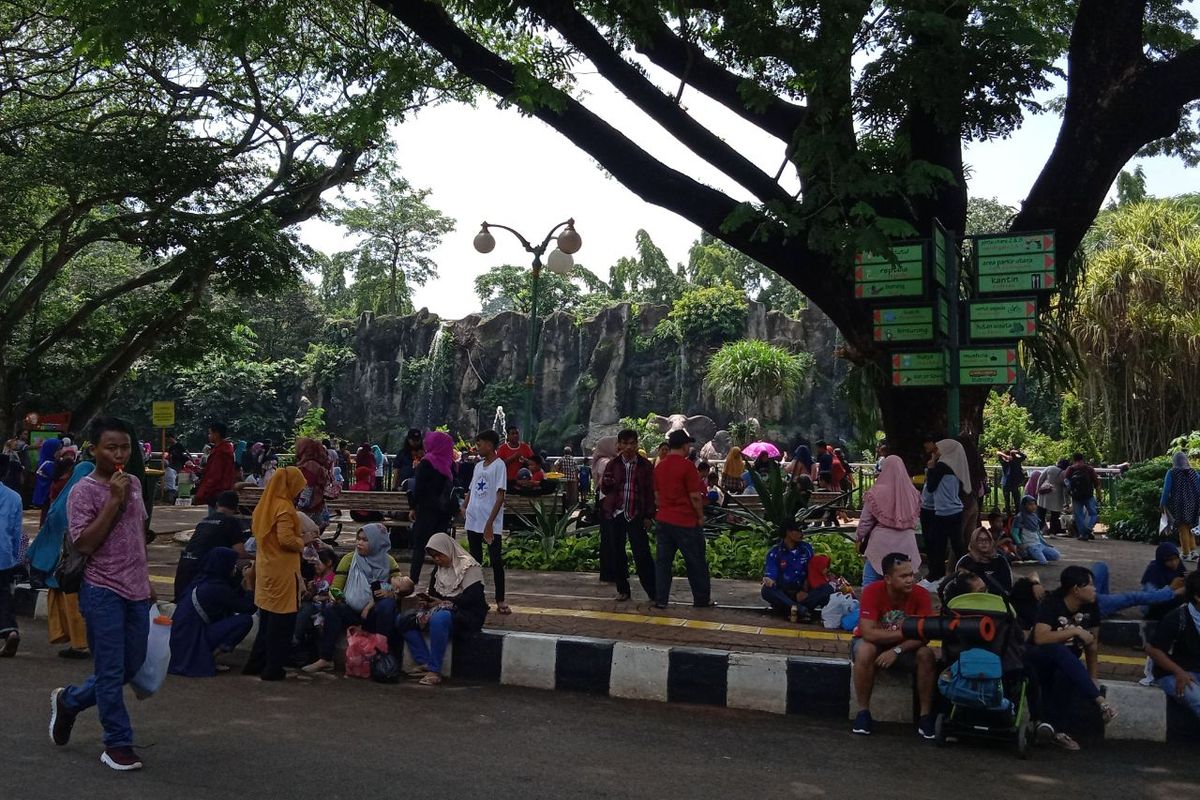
pixel 1082 488
pixel 448 502
pixel 975 680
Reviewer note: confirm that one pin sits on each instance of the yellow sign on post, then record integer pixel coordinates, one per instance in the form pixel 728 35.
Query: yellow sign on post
pixel 162 413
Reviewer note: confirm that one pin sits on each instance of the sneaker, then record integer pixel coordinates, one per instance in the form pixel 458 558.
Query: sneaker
pixel 10 645
pixel 122 759
pixel 73 654
pixel 925 727
pixel 862 723
pixel 62 719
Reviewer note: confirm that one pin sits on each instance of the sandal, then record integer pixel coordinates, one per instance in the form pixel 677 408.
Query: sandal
pixel 1107 713
pixel 418 671
pixel 1065 742
pixel 503 608
pixel 431 679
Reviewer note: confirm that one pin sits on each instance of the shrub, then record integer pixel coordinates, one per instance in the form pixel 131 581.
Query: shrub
pixel 710 314
pixel 1135 515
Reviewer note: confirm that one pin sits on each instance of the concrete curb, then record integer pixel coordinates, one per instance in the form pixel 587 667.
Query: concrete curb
pixel 778 684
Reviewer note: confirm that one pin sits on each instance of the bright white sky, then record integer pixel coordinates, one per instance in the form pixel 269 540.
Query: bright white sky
pixel 494 164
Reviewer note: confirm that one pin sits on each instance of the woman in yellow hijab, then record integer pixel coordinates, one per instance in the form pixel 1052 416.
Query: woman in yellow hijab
pixel 279 537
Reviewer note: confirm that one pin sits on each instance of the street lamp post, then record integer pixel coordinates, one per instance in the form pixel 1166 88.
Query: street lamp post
pixel 559 261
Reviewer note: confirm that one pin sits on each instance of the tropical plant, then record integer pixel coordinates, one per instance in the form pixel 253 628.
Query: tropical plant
pixel 647 429
pixel 748 374
pixel 1137 324
pixel 1188 443
pixel 710 314
pixel 1135 514
pixel 550 525
pixel 312 425
pixel 782 501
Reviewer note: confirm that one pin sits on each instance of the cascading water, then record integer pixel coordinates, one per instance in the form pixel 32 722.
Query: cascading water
pixel 499 423
pixel 430 379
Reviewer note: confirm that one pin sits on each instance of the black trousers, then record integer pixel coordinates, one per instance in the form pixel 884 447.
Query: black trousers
pixel 634 530
pixel 8 618
pixel 1055 518
pixel 1013 495
pixel 495 556
pixel 272 646
pixel 942 532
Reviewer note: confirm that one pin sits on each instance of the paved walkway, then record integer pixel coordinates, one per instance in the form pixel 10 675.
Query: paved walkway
pixel 578 604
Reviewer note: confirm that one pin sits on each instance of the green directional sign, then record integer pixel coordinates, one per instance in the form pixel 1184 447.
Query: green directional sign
pixel 1004 244
pixel 883 290
pixel 1017 282
pixel 987 376
pixel 908 315
pixel 903 271
pixel 1025 308
pixel 987 357
pixel 1015 262
pixel 910 361
pixel 919 377
pixel 913 251
pixel 918 332
pixel 941 250
pixel 1003 328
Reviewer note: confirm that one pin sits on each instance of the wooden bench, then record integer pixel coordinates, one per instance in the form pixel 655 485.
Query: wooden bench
pixel 395 507
pixel 823 500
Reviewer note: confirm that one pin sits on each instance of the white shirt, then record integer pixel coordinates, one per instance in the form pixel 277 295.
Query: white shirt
pixel 487 480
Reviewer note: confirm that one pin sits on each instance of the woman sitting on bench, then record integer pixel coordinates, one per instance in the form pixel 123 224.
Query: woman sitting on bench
pixel 453 605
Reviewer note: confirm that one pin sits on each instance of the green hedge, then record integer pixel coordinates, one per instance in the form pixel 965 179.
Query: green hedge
pixel 1135 515
pixel 731 555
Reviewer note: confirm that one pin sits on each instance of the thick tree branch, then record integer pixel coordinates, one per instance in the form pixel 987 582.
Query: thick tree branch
pixel 630 81
pixel 688 62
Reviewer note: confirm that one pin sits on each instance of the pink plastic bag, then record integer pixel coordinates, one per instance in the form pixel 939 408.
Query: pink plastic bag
pixel 360 649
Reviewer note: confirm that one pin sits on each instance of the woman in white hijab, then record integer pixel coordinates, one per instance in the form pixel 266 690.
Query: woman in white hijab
pixel 945 482
pixel 453 605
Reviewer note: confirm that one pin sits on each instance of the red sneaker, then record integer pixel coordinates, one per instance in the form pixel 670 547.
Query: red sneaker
pixel 122 759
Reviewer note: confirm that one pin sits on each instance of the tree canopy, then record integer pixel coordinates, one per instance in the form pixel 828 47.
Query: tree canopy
pixel 870 103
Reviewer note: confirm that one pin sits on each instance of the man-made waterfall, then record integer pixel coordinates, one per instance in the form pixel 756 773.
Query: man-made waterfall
pixel 499 424
pixel 431 381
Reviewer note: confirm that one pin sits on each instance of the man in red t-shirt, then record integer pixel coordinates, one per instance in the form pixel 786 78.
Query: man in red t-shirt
pixel 679 498
pixel 220 472
pixel 880 644
pixel 514 453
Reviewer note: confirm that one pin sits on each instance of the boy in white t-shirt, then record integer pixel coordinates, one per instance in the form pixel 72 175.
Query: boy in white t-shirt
pixel 483 511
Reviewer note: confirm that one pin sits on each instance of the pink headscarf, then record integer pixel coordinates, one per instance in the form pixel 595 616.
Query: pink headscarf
pixel 1031 485
pixel 439 451
pixel 893 500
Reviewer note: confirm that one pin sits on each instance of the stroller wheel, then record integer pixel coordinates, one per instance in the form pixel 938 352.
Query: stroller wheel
pixel 1025 736
pixel 939 730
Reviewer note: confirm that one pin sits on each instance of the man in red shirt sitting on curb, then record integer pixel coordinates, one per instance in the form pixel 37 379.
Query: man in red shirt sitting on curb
pixel 880 644
pixel 679 497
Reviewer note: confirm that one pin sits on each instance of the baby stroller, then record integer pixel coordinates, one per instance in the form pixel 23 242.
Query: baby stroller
pixel 985 683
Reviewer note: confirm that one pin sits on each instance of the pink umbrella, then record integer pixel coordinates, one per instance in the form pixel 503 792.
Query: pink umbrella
pixel 753 450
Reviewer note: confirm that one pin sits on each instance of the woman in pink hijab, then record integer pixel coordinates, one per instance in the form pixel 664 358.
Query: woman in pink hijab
pixel 889 517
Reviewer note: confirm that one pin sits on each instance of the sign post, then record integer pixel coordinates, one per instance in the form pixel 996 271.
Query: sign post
pixel 162 415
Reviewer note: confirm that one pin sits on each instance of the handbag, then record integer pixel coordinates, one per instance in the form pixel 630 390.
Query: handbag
pixel 68 573
pixel 385 668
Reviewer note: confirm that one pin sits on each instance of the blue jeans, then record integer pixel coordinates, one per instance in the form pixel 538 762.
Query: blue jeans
pixel 1191 695
pixel 1112 603
pixel 689 542
pixel 1086 514
pixel 441 625
pixel 869 574
pixel 117 630
pixel 1042 553
pixel 1061 675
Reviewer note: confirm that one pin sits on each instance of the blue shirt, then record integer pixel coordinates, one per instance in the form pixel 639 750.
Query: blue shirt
pixel 946 500
pixel 788 567
pixel 10 527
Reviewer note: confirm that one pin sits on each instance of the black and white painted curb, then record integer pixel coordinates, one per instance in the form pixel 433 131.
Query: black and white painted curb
pixel 778 684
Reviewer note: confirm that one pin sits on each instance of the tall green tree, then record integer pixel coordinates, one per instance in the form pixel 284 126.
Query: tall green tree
pixel 510 288
pixel 154 161
pixel 1137 325
pixel 747 375
pixel 397 230
pixel 870 105
pixel 711 262
pixel 646 277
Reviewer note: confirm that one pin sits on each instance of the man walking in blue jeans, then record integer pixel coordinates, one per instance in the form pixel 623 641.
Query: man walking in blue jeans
pixel 679 495
pixel 106 517
pixel 1083 483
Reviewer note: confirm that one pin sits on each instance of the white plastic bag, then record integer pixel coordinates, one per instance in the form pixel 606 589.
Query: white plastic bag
pixel 838 606
pixel 150 677
pixel 1164 522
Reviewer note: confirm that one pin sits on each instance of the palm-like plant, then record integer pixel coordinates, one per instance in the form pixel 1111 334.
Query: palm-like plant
pixel 782 501
pixel 744 374
pixel 550 525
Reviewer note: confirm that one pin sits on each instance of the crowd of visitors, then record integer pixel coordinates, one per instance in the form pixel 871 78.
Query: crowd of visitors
pixel 307 596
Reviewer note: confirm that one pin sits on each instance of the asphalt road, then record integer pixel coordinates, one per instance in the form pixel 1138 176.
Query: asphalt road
pixel 332 738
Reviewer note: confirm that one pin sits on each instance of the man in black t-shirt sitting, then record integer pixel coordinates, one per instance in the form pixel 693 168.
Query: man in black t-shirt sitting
pixel 221 528
pixel 1175 649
